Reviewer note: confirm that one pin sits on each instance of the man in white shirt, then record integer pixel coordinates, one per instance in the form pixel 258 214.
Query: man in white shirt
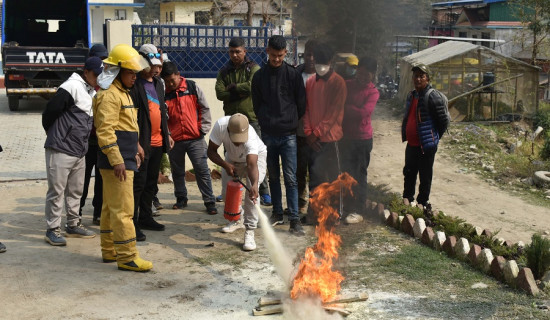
pixel 245 156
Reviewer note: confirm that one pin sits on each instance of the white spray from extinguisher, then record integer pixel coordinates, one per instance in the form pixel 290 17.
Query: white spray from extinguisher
pixel 279 255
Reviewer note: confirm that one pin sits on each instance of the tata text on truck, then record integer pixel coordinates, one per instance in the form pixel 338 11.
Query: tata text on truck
pixel 43 43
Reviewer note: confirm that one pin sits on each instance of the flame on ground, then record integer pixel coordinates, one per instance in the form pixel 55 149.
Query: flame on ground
pixel 315 277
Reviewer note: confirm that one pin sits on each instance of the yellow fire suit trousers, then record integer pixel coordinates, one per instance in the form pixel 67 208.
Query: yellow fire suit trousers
pixel 118 234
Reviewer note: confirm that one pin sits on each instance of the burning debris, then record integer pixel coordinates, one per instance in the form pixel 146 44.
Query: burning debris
pixel 316 283
pixel 315 277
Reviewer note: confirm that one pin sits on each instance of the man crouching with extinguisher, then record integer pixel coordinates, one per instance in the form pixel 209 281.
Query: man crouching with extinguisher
pixel 245 157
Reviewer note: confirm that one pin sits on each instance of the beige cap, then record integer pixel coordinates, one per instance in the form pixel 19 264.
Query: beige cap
pixel 238 128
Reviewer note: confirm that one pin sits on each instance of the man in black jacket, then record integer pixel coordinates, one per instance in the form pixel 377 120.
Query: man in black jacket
pixel 154 139
pixel 279 100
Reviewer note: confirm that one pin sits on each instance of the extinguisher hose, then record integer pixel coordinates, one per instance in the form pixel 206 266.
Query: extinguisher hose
pixel 236 178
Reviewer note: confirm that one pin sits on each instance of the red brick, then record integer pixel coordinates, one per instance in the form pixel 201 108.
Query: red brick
pixel 526 281
pixel 449 245
pixel 474 253
pixel 428 236
pixel 497 267
pixel 407 225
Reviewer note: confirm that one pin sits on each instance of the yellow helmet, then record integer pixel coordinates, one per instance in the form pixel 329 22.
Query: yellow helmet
pixel 352 60
pixel 126 57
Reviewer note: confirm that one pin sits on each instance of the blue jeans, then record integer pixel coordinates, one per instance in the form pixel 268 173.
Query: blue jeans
pixel 284 147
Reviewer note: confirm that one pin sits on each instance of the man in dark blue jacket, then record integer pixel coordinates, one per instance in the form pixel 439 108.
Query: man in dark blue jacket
pixel 279 100
pixel 68 122
pixel 426 119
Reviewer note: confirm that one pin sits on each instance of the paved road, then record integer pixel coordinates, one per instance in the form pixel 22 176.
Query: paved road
pixel 22 138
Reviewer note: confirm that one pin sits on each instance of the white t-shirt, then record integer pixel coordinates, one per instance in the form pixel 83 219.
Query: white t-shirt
pixel 220 135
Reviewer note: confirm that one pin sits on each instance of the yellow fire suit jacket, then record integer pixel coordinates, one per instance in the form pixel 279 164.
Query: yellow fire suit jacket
pixel 115 120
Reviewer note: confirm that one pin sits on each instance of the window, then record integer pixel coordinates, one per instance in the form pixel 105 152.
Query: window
pixel 166 20
pixel 239 23
pixel 202 17
pixel 463 34
pixel 120 14
pixel 171 16
pixel 475 37
pixel 486 35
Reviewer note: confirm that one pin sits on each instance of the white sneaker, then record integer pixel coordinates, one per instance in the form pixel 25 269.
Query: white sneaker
pixel 249 243
pixel 232 226
pixel 154 210
pixel 353 218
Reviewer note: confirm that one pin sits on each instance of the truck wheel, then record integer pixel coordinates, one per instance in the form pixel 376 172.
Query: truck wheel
pixel 13 103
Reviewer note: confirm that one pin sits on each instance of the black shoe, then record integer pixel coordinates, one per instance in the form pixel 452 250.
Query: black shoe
pixel 2 248
pixel 286 212
pixel 157 203
pixel 180 204
pixel 151 225
pixel 276 219
pixel 211 208
pixel 296 228
pixel 95 221
pixel 140 236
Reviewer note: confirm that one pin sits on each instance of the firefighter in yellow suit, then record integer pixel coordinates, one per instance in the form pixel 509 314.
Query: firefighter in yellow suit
pixel 115 119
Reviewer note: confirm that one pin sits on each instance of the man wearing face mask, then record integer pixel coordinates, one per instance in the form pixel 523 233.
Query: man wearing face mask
pixel 154 137
pixel 67 120
pixel 350 67
pixel 307 69
pixel 326 95
pixel 115 119
pixel 357 142
pixel 278 96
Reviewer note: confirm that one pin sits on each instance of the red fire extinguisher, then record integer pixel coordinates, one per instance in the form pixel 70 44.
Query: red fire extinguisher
pixel 233 193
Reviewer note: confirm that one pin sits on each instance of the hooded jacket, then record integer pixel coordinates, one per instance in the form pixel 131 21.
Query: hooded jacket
pixel 67 118
pixel 431 120
pixel 115 119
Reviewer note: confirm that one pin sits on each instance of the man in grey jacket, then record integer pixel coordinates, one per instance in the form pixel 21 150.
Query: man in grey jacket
pixel 67 120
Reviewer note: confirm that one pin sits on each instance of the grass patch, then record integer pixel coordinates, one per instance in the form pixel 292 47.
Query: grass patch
pixel 430 284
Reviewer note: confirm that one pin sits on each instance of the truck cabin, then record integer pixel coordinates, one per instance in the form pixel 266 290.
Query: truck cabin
pixel 46 23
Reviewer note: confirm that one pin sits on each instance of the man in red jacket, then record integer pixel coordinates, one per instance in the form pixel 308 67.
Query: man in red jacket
pixel 188 120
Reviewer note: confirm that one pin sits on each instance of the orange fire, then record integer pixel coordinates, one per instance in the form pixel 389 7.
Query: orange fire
pixel 315 277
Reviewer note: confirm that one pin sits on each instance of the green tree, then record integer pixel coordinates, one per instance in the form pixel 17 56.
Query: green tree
pixel 535 15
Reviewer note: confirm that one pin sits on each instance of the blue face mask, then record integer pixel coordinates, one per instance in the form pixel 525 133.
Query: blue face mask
pixel 107 77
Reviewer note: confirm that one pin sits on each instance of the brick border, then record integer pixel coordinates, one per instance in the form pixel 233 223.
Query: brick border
pixel 506 271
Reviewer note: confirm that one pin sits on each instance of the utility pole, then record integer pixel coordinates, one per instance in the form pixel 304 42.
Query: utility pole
pixel 281 18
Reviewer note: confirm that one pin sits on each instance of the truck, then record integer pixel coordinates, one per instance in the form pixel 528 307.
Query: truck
pixel 43 43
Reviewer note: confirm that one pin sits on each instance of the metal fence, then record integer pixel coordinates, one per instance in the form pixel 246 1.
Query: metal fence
pixel 201 51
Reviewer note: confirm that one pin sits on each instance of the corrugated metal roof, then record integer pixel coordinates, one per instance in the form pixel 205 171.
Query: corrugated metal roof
pixel 451 49
pixel 440 52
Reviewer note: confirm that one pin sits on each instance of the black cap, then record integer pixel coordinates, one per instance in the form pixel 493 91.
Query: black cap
pixel 99 50
pixel 95 64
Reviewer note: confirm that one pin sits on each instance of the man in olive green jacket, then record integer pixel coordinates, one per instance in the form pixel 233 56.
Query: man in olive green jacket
pixel 233 87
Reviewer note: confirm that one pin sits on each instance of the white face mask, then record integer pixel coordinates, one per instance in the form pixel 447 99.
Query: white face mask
pixel 107 77
pixel 322 69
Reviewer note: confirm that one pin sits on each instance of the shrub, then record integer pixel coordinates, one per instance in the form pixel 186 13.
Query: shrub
pixel 545 151
pixel 538 255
